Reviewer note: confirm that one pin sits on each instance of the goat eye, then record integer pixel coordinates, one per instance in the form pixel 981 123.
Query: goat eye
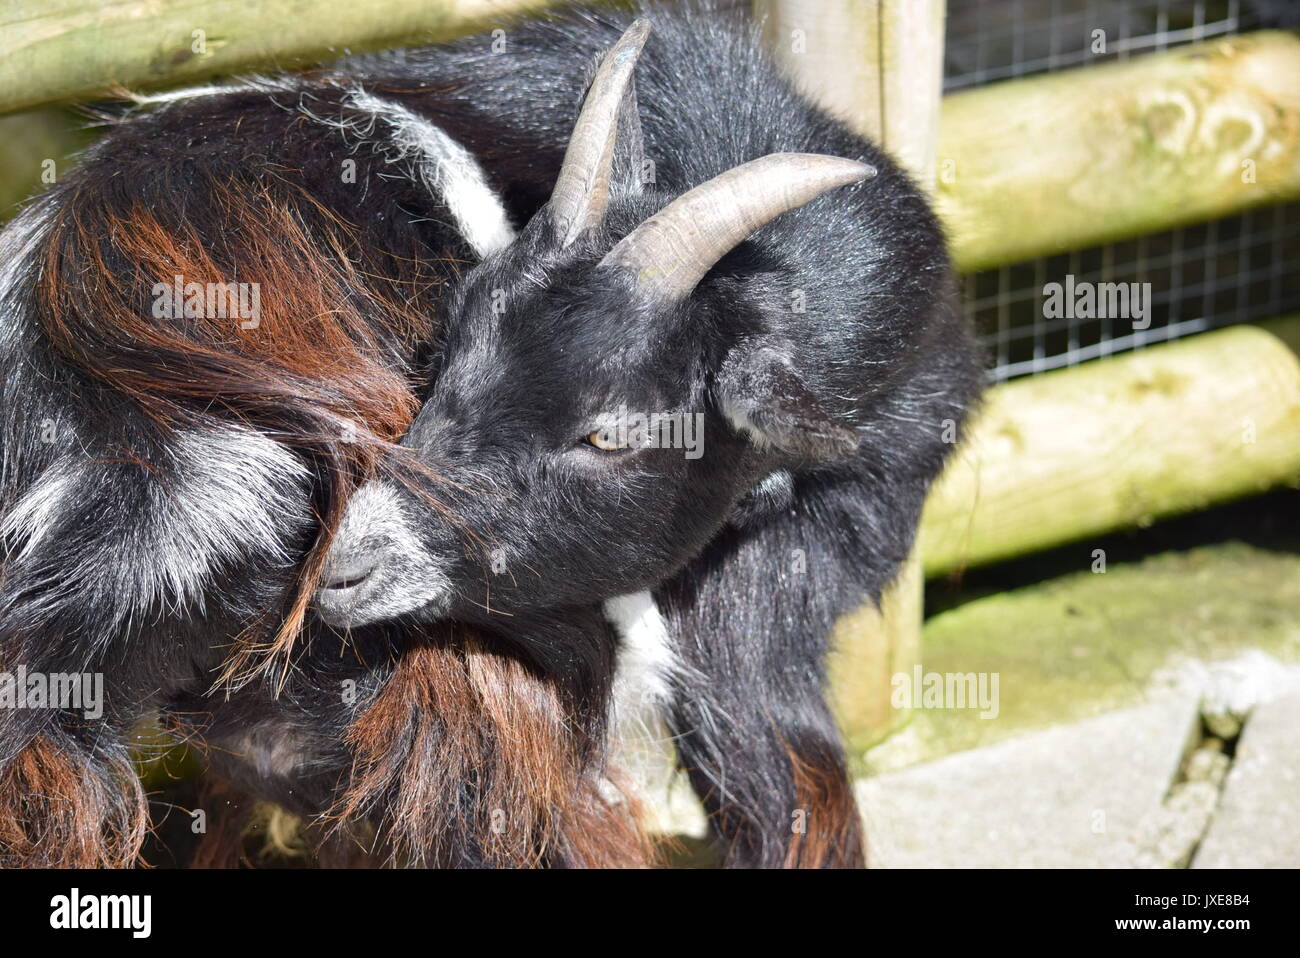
pixel 605 441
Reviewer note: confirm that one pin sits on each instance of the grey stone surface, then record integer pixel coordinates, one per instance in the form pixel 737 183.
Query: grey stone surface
pixel 1257 824
pixel 1088 794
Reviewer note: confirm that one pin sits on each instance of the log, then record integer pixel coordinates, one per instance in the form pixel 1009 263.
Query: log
pixel 1069 160
pixel 1119 443
pixel 64 49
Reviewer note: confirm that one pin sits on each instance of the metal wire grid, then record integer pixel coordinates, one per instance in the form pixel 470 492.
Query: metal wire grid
pixel 990 40
pixel 1232 270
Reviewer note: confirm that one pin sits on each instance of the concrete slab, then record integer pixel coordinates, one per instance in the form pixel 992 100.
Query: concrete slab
pixel 1088 794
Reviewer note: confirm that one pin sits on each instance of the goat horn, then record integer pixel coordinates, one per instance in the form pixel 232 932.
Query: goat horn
pixel 671 251
pixel 582 190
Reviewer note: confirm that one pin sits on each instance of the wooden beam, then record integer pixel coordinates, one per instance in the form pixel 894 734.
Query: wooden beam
pixel 64 49
pixel 1119 443
pixel 1074 159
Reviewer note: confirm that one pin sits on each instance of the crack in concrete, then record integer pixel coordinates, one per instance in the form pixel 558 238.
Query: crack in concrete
pixel 1171 837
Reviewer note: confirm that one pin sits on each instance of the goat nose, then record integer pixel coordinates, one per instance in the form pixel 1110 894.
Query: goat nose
pixel 346 575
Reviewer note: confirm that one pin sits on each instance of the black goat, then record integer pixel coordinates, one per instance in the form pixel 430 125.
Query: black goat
pixel 171 466
pixel 815 342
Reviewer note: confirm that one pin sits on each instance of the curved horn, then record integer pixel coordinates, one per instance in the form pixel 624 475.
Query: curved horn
pixel 671 251
pixel 581 192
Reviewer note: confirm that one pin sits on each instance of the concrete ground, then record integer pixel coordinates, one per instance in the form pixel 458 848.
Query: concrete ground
pixel 1138 787
pixel 1145 717
pixel 1148 717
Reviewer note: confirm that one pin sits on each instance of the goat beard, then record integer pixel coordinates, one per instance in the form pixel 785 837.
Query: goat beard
pixel 468 757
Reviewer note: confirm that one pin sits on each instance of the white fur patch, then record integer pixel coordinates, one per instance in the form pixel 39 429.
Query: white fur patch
pixel 18 271
pixel 18 263
pixel 230 502
pixel 227 496
pixel 645 657
pixel 257 84
pixel 775 484
pixel 30 519
pixel 446 168
pixel 738 416
pixel 640 744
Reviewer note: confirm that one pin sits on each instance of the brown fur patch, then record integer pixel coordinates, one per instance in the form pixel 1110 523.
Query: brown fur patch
pixel 831 832
pixel 468 757
pixel 231 811
pixel 60 810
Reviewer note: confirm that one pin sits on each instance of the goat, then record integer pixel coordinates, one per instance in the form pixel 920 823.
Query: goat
pixel 169 473
pixel 779 281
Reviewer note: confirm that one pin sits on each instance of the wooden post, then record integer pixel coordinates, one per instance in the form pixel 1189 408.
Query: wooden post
pixel 878 65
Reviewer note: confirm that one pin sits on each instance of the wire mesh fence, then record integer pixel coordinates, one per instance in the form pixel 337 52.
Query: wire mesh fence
pixel 990 40
pixel 1237 269
pixel 1233 270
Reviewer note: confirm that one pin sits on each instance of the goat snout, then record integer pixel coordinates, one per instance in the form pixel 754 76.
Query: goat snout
pixel 378 567
pixel 346 583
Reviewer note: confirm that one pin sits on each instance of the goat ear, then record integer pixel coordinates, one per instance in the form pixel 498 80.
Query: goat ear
pixel 763 396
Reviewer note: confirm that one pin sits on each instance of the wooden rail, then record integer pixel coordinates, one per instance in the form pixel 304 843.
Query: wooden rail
pixel 1119 443
pixel 64 49
pixel 1069 160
